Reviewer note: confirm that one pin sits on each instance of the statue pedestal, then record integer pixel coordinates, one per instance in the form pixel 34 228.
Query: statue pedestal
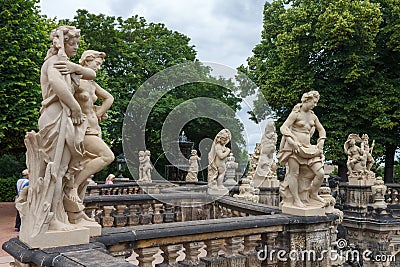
pixel 52 239
pixel 308 211
pixel 230 182
pixel 267 182
pixel 361 182
pixel 94 227
pixel 217 191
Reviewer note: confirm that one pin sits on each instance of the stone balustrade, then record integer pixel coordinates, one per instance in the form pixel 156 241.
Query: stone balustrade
pixel 358 198
pixel 132 187
pixel 237 241
pixel 142 209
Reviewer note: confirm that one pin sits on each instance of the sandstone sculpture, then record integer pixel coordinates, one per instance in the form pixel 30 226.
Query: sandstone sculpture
pixel 216 160
pixel 247 191
pixel 254 158
pixel 56 155
pixel 97 154
pixel 145 166
pixel 265 173
pixel 230 174
pixel 193 167
pixel 359 160
pixel 303 161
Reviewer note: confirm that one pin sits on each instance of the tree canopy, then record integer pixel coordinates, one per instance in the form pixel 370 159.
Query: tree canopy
pixel 23 40
pixel 349 52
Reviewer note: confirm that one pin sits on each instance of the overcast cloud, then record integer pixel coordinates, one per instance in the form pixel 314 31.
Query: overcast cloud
pixel 222 31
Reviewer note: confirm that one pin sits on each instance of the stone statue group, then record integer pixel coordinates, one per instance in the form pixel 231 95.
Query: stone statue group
pixel 68 149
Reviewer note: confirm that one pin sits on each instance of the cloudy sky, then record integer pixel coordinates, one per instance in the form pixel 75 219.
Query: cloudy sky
pixel 222 31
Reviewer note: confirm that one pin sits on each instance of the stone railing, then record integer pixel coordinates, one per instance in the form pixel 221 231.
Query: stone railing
pixel 358 198
pixel 132 187
pixel 392 198
pixel 142 209
pixel 221 242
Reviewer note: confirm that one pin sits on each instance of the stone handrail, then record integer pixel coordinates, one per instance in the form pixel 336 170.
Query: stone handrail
pixel 133 187
pixel 142 209
pixel 215 242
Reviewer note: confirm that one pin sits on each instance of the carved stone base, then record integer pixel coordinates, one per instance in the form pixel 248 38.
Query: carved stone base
pixel 363 182
pixel 230 182
pixel 308 211
pixel 94 227
pixel 217 191
pixel 52 239
pixel 265 182
pixel 215 262
pixel 191 264
pixel 236 261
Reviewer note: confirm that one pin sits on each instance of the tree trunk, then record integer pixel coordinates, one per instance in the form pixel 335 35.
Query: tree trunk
pixel 390 151
pixel 342 172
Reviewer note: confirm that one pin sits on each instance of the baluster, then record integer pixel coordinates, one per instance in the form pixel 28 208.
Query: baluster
pixel 94 191
pixel 169 215
pixel 120 216
pixel 178 214
pixel 106 219
pixel 271 245
pixel 233 245
pixel 192 254
pixel 133 217
pixel 157 216
pixel 146 256
pixel 170 254
pixel 145 217
pixel 250 244
pixel 212 258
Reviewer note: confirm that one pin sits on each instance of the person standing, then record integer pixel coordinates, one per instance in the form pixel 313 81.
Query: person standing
pixel 21 184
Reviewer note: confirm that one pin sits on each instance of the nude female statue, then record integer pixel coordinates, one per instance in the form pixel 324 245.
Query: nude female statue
pixel 304 162
pixel 97 154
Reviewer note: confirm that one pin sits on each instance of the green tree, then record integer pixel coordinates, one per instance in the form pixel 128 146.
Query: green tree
pixel 24 38
pixel 348 51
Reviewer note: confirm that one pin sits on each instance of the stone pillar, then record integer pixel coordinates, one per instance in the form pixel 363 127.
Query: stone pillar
pixel 146 256
pixel 192 255
pixel 170 254
pixel 212 259
pixel 249 251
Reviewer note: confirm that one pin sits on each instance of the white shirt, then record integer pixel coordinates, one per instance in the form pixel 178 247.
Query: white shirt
pixel 21 183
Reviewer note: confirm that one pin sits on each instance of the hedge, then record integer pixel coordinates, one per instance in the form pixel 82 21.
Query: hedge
pixel 8 189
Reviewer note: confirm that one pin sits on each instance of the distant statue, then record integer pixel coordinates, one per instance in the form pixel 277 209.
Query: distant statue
pixel 266 167
pixel 356 156
pixel 368 150
pixel 145 166
pixel 230 174
pixel 193 167
pixel 359 158
pixel 216 160
pixel 247 191
pixel 304 161
pixel 56 153
pixel 254 158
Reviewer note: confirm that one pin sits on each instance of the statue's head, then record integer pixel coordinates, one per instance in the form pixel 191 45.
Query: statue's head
pixel 92 59
pixel 65 41
pixel 310 96
pixel 223 137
